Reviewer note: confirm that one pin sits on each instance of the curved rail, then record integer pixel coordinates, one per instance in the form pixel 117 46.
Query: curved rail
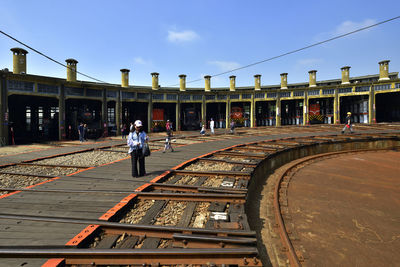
pixel 289 172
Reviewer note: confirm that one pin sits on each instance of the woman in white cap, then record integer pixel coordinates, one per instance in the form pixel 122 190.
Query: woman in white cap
pixel 136 139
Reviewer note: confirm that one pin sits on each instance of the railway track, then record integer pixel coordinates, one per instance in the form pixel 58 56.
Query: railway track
pixel 193 214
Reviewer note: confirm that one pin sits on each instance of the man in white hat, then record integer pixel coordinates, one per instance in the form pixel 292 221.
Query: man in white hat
pixel 136 140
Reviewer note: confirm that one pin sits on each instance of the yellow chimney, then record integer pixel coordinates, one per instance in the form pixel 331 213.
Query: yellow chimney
pixel 207 79
pixel 125 77
pixel 154 80
pixel 232 84
pixel 71 69
pixel 313 78
pixel 19 60
pixel 384 70
pixel 345 75
pixel 257 82
pixel 182 82
pixel 284 80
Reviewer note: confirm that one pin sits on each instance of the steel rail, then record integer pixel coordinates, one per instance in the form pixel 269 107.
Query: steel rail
pixel 191 188
pixel 229 162
pixel 239 256
pixel 157 230
pixel 199 197
pixel 242 155
pixel 28 174
pixel 256 148
pixel 155 186
pixel 54 165
pixel 212 173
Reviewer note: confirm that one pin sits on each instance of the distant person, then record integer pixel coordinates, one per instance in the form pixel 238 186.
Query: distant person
pixel 168 127
pixel 124 131
pixel 348 123
pixel 85 132
pixel 232 126
pixel 203 130
pixel 131 127
pixel 212 124
pixel 81 132
pixel 168 144
pixel 136 139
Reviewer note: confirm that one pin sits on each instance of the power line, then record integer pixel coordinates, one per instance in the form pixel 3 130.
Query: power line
pixel 297 50
pixel 51 59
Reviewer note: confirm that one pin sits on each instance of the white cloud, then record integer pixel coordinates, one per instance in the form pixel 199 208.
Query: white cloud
pixel 141 61
pixel 225 65
pixel 349 26
pixel 343 28
pixel 183 36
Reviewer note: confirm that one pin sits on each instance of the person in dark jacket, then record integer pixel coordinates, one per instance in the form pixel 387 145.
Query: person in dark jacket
pixel 135 141
pixel 348 123
pixel 81 132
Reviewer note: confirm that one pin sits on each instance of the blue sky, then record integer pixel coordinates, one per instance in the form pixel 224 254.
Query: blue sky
pixel 200 38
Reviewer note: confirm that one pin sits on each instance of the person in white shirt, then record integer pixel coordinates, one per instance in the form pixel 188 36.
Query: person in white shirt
pixel 212 126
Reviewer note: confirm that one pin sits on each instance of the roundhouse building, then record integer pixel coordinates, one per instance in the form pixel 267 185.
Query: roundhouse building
pixel 35 108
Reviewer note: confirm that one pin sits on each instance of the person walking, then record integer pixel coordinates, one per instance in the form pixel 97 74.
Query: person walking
pixel 232 126
pixel 168 144
pixel 135 141
pixel 348 123
pixel 168 127
pixel 212 124
pixel 81 132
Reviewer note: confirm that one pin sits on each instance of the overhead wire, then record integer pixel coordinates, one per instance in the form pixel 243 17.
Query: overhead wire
pixel 297 50
pixel 222 73
pixel 51 59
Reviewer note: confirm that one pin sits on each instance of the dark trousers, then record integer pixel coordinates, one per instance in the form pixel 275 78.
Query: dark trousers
pixel 136 156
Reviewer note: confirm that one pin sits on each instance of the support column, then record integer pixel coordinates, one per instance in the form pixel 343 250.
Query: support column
pixel 278 110
pixel 252 112
pixel 150 113
pixel 177 125
pixel 305 109
pixel 61 115
pixel 336 114
pixel 104 117
pixel 371 106
pixel 228 113
pixel 204 111
pixel 118 112
pixel 3 110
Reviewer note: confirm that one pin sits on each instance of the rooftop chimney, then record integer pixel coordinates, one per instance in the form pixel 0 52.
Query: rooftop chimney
pixel 232 84
pixel 207 79
pixel 313 78
pixel 182 82
pixel 345 75
pixel 154 80
pixel 284 80
pixel 19 60
pixel 257 82
pixel 125 77
pixel 384 70
pixel 71 69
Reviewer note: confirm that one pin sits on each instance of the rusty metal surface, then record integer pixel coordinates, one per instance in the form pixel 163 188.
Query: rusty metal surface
pixel 345 210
